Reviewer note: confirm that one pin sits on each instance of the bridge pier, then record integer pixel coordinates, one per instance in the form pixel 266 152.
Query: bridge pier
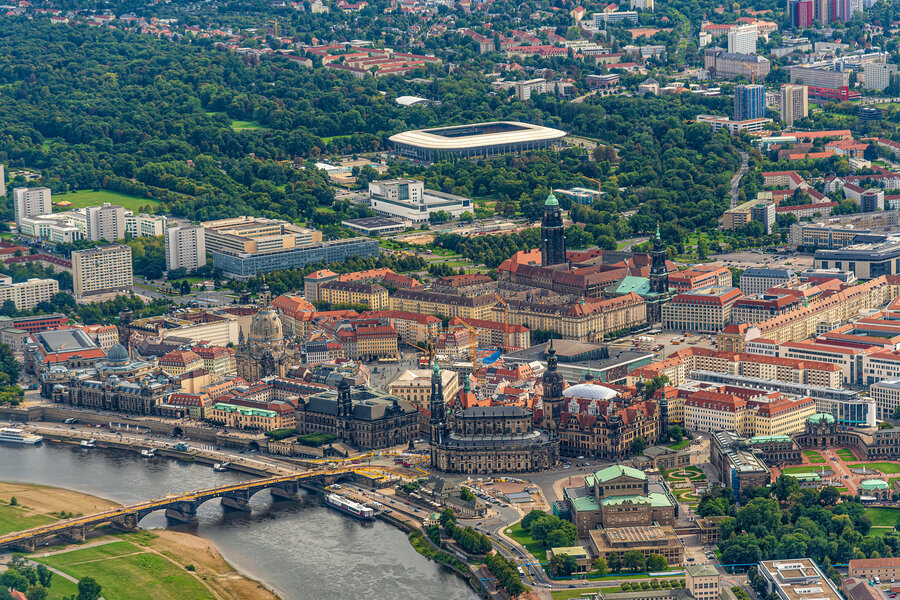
pixel 127 522
pixel 74 534
pixel 183 512
pixel 237 500
pixel 289 490
pixel 26 545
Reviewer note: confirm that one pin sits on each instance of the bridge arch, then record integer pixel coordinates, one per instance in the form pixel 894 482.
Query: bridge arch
pixel 177 432
pixel 253 447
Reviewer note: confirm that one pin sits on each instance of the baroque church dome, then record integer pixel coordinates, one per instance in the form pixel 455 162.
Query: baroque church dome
pixel 265 326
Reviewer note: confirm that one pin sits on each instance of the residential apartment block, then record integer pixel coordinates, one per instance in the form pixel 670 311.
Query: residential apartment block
pixel 185 247
pixel 28 202
pixel 374 296
pixel 102 270
pixel 27 294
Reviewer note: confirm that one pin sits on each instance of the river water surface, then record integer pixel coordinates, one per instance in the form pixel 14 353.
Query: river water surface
pixel 302 550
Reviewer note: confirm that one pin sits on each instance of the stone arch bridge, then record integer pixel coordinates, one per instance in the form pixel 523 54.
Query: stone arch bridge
pixel 180 507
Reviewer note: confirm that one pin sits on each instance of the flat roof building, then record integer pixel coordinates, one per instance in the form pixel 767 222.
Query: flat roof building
pixel 797 579
pixel 374 225
pixel 866 261
pixel 478 140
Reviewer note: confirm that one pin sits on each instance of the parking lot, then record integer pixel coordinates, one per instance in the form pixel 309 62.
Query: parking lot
pixel 757 258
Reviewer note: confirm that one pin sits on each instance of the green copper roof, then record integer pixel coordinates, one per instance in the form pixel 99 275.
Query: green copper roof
pixel 874 484
pixel 821 418
pixel 762 439
pixel 584 503
pixel 657 230
pixel 638 285
pixel 617 500
pixel 657 499
pixel 805 476
pixel 614 471
pixel 551 200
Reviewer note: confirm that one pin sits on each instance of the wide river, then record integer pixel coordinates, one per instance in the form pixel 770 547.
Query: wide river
pixel 302 550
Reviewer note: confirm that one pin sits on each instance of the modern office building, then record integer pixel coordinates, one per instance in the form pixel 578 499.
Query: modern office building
pixel 886 394
pixel 102 270
pixel 733 127
pixel 105 222
pixel 822 77
pixel 408 199
pixel 27 294
pixel 764 212
pixel 185 247
pixel 847 407
pixel 749 101
pixel 251 235
pixel 602 18
pixel 867 261
pixel 28 202
pixel 479 140
pixel 742 40
pixel 794 103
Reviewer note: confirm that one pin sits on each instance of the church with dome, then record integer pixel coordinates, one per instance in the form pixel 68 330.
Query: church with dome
pixel 265 352
pixel 591 419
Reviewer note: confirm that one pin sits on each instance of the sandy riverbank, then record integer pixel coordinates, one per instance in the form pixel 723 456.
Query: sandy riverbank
pixel 183 548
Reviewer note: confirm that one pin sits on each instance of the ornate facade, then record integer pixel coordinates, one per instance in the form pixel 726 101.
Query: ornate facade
pixel 118 384
pixel 264 353
pixel 491 439
pixel 359 416
pixel 593 420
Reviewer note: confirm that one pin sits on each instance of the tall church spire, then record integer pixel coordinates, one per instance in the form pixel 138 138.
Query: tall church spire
pixel 553 391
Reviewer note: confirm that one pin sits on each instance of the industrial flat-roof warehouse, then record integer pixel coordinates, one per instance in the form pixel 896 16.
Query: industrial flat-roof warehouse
pixel 478 140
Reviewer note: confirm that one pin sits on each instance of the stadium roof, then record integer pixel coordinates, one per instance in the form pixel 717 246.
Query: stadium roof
pixel 514 133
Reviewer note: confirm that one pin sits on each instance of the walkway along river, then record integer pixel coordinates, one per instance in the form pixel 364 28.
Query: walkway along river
pixel 301 550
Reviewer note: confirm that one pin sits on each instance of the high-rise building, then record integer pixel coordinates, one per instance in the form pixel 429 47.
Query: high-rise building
pixel 105 222
pixel 101 270
pixel 801 13
pixel 742 39
pixel 185 247
pixel 2 181
pixel 29 202
pixel 794 103
pixel 749 102
pixel 553 237
pixel 878 75
pixel 822 11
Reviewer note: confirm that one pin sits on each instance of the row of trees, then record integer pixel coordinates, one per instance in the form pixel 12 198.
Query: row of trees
pixel 470 540
pixel 506 574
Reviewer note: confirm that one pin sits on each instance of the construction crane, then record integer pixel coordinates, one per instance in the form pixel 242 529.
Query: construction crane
pixel 473 345
pixel 506 344
pixel 752 72
pixel 276 26
pixel 428 350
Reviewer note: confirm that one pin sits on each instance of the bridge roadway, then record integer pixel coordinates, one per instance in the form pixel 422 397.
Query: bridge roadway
pixel 179 507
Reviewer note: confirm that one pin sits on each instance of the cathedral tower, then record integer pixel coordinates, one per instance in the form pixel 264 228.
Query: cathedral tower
pixel 659 272
pixel 553 392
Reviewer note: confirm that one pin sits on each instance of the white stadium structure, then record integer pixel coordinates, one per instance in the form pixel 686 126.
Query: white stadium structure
pixel 479 140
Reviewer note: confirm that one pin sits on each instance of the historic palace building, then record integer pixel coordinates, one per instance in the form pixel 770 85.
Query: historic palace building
pixel 487 439
pixel 593 420
pixel 118 384
pixel 264 353
pixel 359 416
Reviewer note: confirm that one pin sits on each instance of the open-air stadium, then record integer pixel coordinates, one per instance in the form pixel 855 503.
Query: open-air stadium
pixel 479 140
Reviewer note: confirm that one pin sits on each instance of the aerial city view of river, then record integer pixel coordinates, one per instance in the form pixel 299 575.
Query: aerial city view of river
pixel 301 550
